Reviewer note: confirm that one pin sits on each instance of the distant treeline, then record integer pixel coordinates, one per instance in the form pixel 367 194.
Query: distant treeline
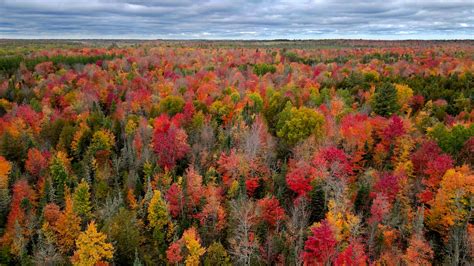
pixel 389 57
pixel 9 64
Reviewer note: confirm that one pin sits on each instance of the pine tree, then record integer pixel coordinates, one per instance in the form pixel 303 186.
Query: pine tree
pixel 385 102
pixel 59 172
pixel 81 199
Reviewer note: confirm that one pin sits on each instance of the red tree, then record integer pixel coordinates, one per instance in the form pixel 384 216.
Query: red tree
pixel 36 162
pixel 335 160
pixel 353 255
pixel 271 211
pixel 21 191
pixel 300 176
pixel 175 199
pixel 431 163
pixel 321 245
pixel 169 141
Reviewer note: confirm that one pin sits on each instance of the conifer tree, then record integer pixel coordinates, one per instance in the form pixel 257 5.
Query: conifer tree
pixel 385 102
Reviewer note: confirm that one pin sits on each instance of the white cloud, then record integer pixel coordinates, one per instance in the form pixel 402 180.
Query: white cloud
pixel 229 19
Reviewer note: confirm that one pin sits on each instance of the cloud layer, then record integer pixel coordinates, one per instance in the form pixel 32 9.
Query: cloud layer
pixel 237 19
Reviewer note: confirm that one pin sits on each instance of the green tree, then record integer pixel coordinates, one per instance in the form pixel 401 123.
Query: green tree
pixel 59 172
pixel 171 105
pixel 217 255
pixel 296 124
pixel 385 102
pixel 82 202
pixel 451 140
pixel 124 232
pixel 276 103
pixel 262 69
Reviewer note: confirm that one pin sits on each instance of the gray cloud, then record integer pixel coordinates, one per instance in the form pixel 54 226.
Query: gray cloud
pixel 236 19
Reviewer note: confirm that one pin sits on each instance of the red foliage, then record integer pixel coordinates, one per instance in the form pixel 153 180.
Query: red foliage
pixel 417 102
pixel 232 166
pixel 194 189
pixel 353 255
pixel 335 160
pixel 36 162
pixel 428 161
pixel 271 211
pixel 51 213
pixel 394 129
pixel 468 150
pixel 173 254
pixel 320 246
pixel 356 129
pixel 251 185
pixel 175 199
pixel 29 116
pixel 428 151
pixel 380 207
pixel 169 141
pixel 300 176
pixel 388 185
pixel 21 191
pixel 213 213
pixel 44 68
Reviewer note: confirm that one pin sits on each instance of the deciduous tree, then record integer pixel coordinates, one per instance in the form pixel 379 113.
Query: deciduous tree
pixel 169 141
pixel 92 248
pixel 320 247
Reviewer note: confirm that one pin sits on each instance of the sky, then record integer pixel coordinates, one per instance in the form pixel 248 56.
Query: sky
pixel 237 19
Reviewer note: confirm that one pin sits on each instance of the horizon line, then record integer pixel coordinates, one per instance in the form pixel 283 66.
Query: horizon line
pixel 243 39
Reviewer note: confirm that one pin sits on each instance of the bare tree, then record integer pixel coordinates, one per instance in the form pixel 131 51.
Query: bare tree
pixel 297 225
pixel 242 245
pixel 46 253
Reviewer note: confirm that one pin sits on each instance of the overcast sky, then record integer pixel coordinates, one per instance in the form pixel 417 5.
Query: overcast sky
pixel 237 19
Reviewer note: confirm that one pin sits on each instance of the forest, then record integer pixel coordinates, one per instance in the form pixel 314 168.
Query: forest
pixel 335 152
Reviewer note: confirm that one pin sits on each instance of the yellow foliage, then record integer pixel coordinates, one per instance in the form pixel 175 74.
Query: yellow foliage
pixel 343 222
pixel 158 215
pixel 401 156
pixel 191 240
pixel 404 94
pixel 92 248
pixel 48 232
pixel 452 202
pixel 130 127
pixel 103 140
pixel 76 140
pixel 234 187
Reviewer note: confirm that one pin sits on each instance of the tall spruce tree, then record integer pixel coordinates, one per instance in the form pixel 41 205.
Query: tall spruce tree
pixel 385 100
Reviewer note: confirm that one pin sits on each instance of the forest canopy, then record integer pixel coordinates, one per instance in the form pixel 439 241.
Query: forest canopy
pixel 237 153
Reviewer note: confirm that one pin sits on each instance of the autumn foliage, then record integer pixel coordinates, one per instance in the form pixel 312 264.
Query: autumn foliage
pixel 334 152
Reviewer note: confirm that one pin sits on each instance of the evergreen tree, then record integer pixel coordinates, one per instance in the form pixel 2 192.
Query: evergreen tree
pixel 82 202
pixel 385 100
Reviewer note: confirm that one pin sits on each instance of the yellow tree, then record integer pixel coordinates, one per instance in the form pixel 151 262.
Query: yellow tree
pixel 404 95
pixel 451 205
pixel 158 215
pixel 5 168
pixel 92 248
pixel 195 250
